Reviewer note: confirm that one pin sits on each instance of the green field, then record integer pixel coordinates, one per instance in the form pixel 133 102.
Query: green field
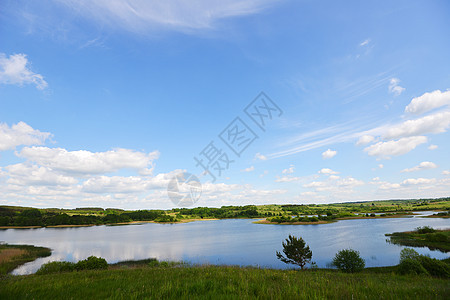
pixel 214 282
pixel 13 216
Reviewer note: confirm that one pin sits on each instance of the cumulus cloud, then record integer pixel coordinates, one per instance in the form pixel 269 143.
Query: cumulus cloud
pixel 327 171
pixel 422 166
pixel 259 156
pixel 335 184
pixel 395 147
pixel 329 154
pixel 364 140
pixel 394 87
pixel 416 181
pixel 84 162
pixel 289 170
pixel 428 101
pixel 446 172
pixel 15 69
pixel 287 179
pixel 249 169
pixel 20 134
pixel 26 175
pixel 115 184
pixel 435 123
pixel 186 16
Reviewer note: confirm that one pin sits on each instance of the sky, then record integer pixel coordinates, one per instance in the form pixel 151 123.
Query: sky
pixel 104 103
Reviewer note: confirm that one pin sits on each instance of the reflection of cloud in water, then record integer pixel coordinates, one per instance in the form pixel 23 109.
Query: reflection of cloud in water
pixel 219 242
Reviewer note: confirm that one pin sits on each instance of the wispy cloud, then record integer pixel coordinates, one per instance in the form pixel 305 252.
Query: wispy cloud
pixel 179 15
pixel 364 43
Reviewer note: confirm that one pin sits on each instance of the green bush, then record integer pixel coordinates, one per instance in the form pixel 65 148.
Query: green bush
pixel 435 267
pixel 425 229
pixel 437 237
pixel 91 263
pixel 411 266
pixel 408 253
pixel 56 267
pixel 349 261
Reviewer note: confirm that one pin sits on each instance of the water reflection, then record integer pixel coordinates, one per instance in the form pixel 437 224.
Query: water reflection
pixel 238 242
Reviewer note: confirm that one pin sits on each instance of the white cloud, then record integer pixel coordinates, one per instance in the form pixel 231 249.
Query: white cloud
pixel 327 171
pixel 115 184
pixel 446 172
pixel 84 162
pixel 396 147
pixel 365 139
pixel 435 123
pixel 416 181
pixel 329 154
pixel 290 170
pixel 364 43
pixel 394 87
pixel 186 16
pixel 15 69
pixel 249 169
pixel 264 173
pixel 20 134
pixel 381 166
pixel 422 166
pixel 432 147
pixel 335 184
pixel 260 156
pixel 287 179
pixel 26 175
pixel 428 101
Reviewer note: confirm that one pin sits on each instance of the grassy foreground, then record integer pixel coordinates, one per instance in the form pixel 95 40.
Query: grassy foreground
pixel 215 282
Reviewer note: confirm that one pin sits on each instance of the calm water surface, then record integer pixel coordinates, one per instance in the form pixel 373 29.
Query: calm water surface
pixel 234 242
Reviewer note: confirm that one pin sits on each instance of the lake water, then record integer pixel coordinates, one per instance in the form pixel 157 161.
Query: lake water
pixel 231 242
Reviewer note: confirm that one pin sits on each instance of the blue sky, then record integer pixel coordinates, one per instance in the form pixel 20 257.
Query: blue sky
pixel 103 102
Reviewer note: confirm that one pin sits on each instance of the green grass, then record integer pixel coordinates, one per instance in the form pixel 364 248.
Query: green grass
pixel 31 253
pixel 438 240
pixel 214 282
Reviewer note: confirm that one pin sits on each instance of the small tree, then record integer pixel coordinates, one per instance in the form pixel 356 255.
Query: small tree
pixel 349 261
pixel 408 253
pixel 296 252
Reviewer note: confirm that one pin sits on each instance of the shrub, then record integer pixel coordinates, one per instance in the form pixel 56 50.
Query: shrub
pixel 437 237
pixel 349 261
pixel 425 229
pixel 411 266
pixel 408 253
pixel 91 263
pixel 435 267
pixel 56 267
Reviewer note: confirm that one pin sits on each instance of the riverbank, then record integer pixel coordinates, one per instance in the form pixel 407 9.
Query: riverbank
pixel 12 256
pixel 220 282
pixel 431 238
pixel 111 224
pixel 266 221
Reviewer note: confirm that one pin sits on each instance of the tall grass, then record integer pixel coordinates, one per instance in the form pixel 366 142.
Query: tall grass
pixel 217 282
pixel 30 254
